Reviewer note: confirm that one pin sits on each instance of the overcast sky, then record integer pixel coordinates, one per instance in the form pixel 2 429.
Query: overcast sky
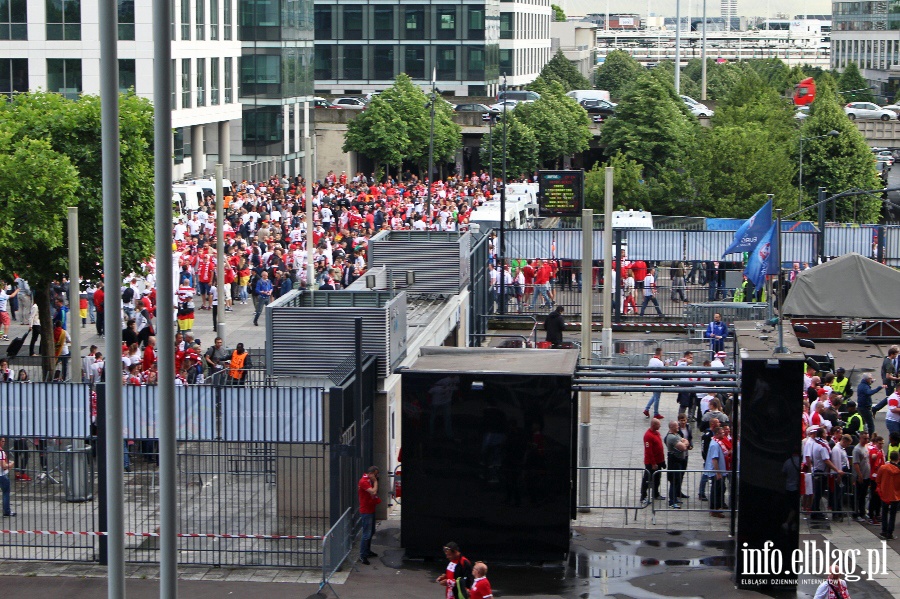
pixel 748 8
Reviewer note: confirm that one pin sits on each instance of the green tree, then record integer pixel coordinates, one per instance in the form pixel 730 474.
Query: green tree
pixel 752 101
pixel 559 15
pixel 71 129
pixel 40 184
pixel 853 87
pixel 560 69
pixel 521 148
pixel 378 133
pixel 733 168
pixel 772 71
pixel 629 190
pixel 650 126
pixel 561 126
pixel 838 163
pixel 616 73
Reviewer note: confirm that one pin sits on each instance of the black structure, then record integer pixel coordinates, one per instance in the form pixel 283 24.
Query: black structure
pixel 768 460
pixel 488 452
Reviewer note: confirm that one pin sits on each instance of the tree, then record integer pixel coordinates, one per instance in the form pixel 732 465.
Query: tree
pixel 616 73
pixel 560 69
pixel 650 126
pixel 853 87
pixel 734 167
pixel 838 163
pixel 411 105
pixel 772 71
pixel 629 189
pixel 71 130
pixel 561 126
pixel 559 15
pixel 378 133
pixel 752 101
pixel 521 148
pixel 36 245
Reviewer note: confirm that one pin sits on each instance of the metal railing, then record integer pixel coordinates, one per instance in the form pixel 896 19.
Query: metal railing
pixel 612 488
pixel 336 547
pixel 837 490
pixel 680 487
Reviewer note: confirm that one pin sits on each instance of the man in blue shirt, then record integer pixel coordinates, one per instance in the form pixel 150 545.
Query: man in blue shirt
pixel 716 468
pixel 263 294
pixel 716 331
pixel 864 394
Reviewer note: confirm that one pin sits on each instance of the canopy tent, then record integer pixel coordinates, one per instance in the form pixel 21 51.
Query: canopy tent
pixel 851 286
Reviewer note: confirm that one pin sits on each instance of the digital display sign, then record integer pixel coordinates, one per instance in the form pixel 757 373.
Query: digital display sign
pixel 561 192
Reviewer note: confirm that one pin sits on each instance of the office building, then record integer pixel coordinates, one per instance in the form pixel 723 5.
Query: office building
pixel 866 33
pixel 360 47
pixel 525 44
pixel 54 45
pixel 728 10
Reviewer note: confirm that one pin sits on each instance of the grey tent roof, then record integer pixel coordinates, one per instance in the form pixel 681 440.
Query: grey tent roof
pixel 850 286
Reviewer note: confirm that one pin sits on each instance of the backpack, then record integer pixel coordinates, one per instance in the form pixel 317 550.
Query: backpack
pixel 127 295
pixel 460 591
pixel 252 285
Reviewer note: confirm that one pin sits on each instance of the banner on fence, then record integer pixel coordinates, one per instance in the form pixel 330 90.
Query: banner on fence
pixel 194 412
pixel 277 415
pixel 44 410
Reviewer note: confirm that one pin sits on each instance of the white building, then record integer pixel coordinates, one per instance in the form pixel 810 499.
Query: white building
pixel 578 42
pixel 728 10
pixel 54 45
pixel 524 40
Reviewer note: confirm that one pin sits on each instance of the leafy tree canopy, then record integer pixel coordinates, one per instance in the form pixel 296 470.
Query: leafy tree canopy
pixel 561 126
pixel 560 69
pixel 629 189
pixel 617 72
pixel 559 15
pixel 521 148
pixel 853 87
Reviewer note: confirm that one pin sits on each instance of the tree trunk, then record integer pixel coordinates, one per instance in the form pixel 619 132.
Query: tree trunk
pixel 48 347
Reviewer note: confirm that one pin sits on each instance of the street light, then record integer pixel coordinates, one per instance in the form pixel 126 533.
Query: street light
pixel 502 253
pixel 832 133
pixel 491 147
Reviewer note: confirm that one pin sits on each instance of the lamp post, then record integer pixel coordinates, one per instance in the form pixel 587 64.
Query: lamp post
pixel 677 46
pixel 502 252
pixel 491 147
pixel 832 133
pixel 427 214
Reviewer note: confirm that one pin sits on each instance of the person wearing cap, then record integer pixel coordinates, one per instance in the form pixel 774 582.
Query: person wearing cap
pixel 716 332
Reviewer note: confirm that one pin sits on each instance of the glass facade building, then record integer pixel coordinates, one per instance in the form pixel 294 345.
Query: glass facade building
pixel 362 46
pixel 276 69
pixel 868 33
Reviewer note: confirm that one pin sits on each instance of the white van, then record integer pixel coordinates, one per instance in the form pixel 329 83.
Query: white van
pixel 488 214
pixel 190 194
pixel 632 219
pixel 209 186
pixel 589 94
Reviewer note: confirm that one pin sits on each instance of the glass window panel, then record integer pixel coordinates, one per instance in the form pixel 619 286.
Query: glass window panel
pixel 324 19
pixel 127 75
pixel 446 62
pixel 64 76
pixel 229 80
pixel 446 23
pixel 324 62
pixel 476 63
pixel 414 59
pixel 213 19
pixel 383 62
pixel 353 62
pixel 384 22
pixel 63 19
pixel 353 23
pixel 185 82
pixel 414 23
pixel 476 23
pixel 126 19
pixel 200 19
pixel 201 82
pixel 226 19
pixel 214 80
pixel 185 19
pixel 13 76
pixel 13 20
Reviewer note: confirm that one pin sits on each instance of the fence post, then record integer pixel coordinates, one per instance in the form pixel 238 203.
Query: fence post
pixel 100 444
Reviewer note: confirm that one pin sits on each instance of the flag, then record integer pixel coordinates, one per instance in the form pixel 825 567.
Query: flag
pixel 764 259
pixel 747 237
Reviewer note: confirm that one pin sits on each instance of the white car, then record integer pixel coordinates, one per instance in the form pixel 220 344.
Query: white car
pixel 698 109
pixel 895 108
pixel 802 113
pixel 867 110
pixel 509 104
pixel 350 103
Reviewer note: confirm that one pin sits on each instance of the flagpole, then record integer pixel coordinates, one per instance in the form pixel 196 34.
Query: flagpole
pixel 780 349
pixel 770 298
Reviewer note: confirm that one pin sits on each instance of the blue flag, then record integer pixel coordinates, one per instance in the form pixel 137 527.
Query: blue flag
pixel 746 238
pixel 764 258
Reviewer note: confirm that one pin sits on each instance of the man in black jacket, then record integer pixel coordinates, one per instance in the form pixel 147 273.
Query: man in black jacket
pixel 555 325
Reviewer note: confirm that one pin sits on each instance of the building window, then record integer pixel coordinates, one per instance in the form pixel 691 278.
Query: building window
pixel 414 60
pixel 384 22
pixel 262 126
pixel 214 19
pixel 414 23
pixel 260 20
pixel 214 80
pixel 178 145
pixel 476 63
pixel 13 76
pixel 446 62
pixel 127 75
pixel 200 19
pixel 64 76
pixel 172 79
pixel 476 23
pixel 324 19
pixel 185 19
pixel 201 82
pixel 324 62
pixel 226 19
pixel 172 16
pixel 13 19
pixel 229 80
pixel 383 62
pixel 63 19
pixel 506 25
pixel 261 75
pixel 446 23
pixel 353 23
pixel 126 19
pixel 506 62
pixel 353 62
pixel 185 82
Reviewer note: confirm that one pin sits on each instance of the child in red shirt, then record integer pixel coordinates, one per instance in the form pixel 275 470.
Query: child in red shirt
pixel 481 587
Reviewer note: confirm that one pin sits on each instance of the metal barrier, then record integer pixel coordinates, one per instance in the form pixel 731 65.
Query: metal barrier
pixel 680 486
pixel 613 488
pixel 336 546
pixel 838 491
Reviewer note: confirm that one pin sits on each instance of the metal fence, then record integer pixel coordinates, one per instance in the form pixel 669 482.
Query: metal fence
pixel 692 491
pixel 336 546
pixel 837 491
pixel 611 488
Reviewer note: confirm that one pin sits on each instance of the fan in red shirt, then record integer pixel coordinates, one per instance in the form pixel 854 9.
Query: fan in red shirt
pixel 367 490
pixel 481 587
pixel 459 567
pixel 654 459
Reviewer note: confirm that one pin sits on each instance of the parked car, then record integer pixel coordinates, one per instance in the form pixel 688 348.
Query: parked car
pixel 886 158
pixel 895 108
pixel 698 109
pixel 598 109
pixel 518 94
pixel 867 110
pixel 509 104
pixel 487 113
pixel 350 103
pixel 802 113
pixel 322 103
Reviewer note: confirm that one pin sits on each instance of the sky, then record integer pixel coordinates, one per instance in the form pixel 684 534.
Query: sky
pixel 748 8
